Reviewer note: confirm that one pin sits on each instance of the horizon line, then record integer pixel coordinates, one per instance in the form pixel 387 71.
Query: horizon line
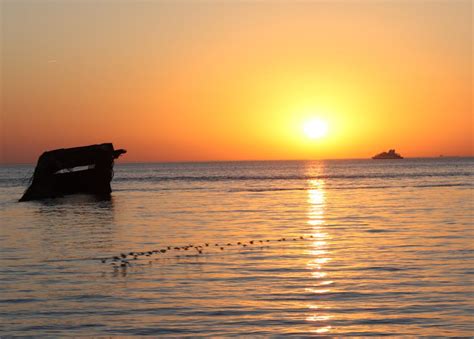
pixel 251 160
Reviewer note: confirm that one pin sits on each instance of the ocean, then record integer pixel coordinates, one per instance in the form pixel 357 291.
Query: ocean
pixel 338 247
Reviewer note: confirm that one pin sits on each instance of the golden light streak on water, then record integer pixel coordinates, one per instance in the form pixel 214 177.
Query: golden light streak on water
pixel 316 307
pixel 319 235
pixel 316 202
pixel 318 290
pixel 320 255
pixel 319 244
pixel 321 260
pixel 319 275
pixel 324 329
pixel 319 318
pixel 318 252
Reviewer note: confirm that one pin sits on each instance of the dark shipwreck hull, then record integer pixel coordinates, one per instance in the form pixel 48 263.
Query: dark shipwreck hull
pixel 54 174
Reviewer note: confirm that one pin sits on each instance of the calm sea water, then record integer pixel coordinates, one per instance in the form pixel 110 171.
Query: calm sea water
pixel 387 248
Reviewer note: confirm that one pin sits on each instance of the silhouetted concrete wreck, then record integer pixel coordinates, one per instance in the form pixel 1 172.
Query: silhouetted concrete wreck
pixel 87 169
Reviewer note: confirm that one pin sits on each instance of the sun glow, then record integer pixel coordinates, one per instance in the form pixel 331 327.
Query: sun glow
pixel 315 128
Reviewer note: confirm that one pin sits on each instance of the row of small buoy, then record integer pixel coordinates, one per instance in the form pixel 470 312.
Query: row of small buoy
pixel 124 259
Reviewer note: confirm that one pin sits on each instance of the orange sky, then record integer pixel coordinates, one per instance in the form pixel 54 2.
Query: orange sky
pixel 232 80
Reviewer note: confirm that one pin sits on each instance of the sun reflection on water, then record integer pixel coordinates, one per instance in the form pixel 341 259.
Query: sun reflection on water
pixel 318 252
pixel 324 329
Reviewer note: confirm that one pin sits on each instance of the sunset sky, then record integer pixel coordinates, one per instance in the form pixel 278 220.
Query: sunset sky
pixel 236 80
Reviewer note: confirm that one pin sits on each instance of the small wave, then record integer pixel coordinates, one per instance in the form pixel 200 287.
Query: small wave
pixel 390 321
pixel 20 301
pixel 258 190
pixel 290 189
pixel 291 177
pixel 345 187
pixel 380 231
pixel 386 269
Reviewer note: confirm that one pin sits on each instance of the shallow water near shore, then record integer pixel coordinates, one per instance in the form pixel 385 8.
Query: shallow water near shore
pixel 371 248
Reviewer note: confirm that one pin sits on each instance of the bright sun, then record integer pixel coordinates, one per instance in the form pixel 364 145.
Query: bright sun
pixel 315 128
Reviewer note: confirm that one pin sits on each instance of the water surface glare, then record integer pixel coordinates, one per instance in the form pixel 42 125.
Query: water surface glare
pixel 370 248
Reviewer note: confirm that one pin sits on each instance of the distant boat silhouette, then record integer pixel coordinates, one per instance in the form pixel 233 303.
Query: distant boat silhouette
pixel 391 154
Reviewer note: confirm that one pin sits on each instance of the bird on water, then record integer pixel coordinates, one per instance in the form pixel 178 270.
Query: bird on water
pixel 122 262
